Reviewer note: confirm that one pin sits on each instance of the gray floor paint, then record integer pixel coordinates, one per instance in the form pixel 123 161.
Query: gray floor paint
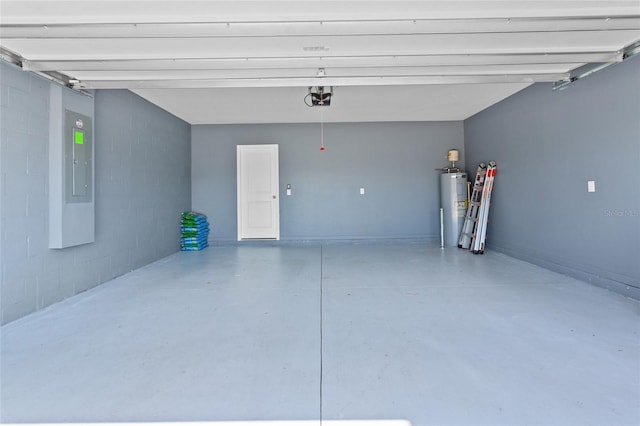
pixel 339 331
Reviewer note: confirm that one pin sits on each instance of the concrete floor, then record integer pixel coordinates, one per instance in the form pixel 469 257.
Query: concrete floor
pixel 343 331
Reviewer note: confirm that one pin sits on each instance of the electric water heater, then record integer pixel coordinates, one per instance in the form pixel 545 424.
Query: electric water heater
pixel 453 201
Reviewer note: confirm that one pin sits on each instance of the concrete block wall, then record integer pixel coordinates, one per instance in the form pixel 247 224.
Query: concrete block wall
pixel 548 145
pixel 142 173
pixel 395 162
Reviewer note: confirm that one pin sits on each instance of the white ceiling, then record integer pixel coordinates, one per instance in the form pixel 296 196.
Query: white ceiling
pixel 253 61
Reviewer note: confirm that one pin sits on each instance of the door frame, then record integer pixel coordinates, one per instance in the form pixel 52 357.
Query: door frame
pixel 239 190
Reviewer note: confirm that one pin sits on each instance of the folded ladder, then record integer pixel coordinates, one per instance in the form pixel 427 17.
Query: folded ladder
pixel 471 218
pixel 477 245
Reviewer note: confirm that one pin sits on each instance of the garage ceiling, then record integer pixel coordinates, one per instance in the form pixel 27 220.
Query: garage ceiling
pixel 253 61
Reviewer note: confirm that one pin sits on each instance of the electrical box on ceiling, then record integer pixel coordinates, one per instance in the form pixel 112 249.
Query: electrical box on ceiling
pixel 71 168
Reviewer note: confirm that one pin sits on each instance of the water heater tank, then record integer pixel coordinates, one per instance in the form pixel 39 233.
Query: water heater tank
pixel 453 200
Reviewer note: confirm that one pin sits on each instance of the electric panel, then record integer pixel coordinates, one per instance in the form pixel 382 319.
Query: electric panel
pixel 78 144
pixel 71 168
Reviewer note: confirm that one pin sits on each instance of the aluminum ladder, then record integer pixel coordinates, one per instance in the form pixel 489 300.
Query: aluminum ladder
pixel 474 230
pixel 471 217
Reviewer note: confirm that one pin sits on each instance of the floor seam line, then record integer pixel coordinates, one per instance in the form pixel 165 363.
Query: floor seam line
pixel 321 347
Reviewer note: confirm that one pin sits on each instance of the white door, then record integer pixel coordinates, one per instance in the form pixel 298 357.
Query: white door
pixel 258 201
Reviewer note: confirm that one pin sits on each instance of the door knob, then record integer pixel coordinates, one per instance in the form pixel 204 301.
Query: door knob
pixel 274 197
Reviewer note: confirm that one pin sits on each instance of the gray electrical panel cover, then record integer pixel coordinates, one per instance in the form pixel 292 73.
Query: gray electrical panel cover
pixel 78 152
pixel 71 168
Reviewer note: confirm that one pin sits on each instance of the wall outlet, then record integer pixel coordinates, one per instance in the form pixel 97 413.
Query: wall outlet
pixel 361 191
pixel 591 186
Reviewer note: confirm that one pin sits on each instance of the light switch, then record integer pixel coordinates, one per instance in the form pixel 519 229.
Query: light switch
pixel 361 191
pixel 591 186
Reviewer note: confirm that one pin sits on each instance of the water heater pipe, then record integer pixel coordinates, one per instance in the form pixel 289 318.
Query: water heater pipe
pixel 441 228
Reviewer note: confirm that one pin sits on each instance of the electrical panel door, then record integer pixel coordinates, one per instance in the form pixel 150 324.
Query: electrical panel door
pixel 78 143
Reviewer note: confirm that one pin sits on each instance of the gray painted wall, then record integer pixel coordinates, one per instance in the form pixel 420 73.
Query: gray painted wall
pixel 547 145
pixel 142 184
pixel 394 162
